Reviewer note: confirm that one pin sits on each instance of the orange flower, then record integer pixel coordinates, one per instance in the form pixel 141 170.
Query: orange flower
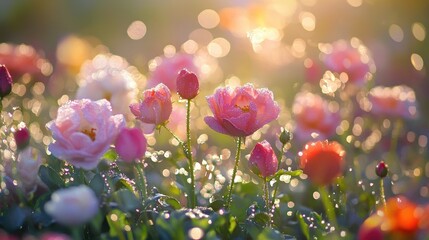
pixel 322 161
pixel 400 219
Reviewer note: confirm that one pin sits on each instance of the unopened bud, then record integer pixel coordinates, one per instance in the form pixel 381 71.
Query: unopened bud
pixel 285 136
pixel 5 82
pixel 381 169
pixel 22 138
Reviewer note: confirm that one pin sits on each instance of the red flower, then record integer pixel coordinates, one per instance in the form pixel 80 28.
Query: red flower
pixel 322 161
pixel 22 137
pixel 5 82
pixel 187 84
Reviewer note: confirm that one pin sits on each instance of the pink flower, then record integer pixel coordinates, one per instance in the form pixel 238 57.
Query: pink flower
pixel 73 206
pixel 351 59
pixel 83 131
pixel 241 111
pixel 22 137
pixel 187 84
pixel 167 69
pixel 22 59
pixel 398 101
pixel 313 115
pixel 155 107
pixel 54 236
pixel 263 161
pixel 130 144
pixel 28 169
pixel 5 82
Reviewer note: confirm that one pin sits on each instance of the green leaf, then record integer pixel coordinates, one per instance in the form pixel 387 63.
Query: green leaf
pixel 304 226
pixel 126 200
pixel 14 218
pixel 97 184
pixel 174 203
pixel 281 172
pixel 50 177
pixel 110 155
pixel 261 218
pixel 217 205
pixel 117 221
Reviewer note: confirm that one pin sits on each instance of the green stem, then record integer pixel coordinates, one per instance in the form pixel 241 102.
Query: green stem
pixel 175 137
pixel 76 233
pixel 329 208
pixel 396 131
pixel 267 200
pixel 192 196
pixel 276 184
pixel 382 196
pixel 141 181
pixel 237 160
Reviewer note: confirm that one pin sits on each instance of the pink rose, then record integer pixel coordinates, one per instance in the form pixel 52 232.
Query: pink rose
pixel 130 144
pixel 83 131
pixel 167 69
pixel 73 206
pixel 398 101
pixel 155 107
pixel 263 161
pixel 187 84
pixel 313 115
pixel 354 60
pixel 241 111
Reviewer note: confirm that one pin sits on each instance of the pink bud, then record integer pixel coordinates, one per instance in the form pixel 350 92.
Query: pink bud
pixel 130 144
pixel 5 82
pixel 187 84
pixel 263 161
pixel 22 137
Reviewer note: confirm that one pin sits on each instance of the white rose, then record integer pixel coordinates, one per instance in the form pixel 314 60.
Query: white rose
pixel 73 205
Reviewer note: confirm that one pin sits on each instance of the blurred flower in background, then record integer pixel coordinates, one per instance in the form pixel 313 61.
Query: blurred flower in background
pixel 315 118
pixel 107 77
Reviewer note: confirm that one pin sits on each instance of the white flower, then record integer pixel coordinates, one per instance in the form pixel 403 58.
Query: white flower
pixel 73 206
pixel 107 76
pixel 28 168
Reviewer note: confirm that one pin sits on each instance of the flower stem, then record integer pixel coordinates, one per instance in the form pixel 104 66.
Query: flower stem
pixel 382 196
pixel 267 200
pixel 141 181
pixel 192 196
pixel 276 184
pixel 237 160
pixel 174 135
pixel 329 208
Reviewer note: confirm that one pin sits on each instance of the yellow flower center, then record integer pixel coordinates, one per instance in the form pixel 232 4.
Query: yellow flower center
pixel 245 108
pixel 90 133
pixel 107 96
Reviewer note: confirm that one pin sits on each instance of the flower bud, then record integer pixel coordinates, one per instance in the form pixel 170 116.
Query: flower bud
pixel 22 137
pixel 381 169
pixel 130 144
pixel 263 161
pixel 285 136
pixel 5 82
pixel 187 84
